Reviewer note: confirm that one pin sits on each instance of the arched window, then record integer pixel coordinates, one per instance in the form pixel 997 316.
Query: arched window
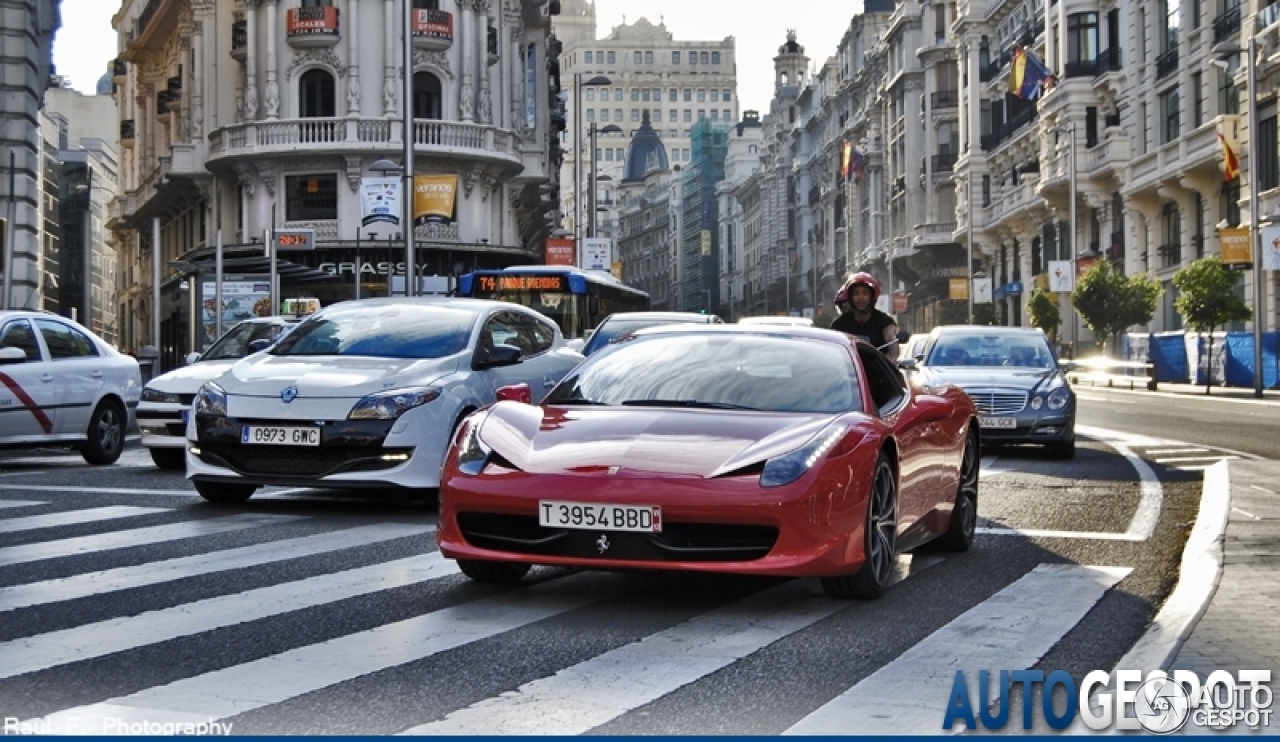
pixel 315 95
pixel 427 97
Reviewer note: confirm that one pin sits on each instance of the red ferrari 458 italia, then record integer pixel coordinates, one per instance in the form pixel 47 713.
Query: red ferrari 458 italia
pixel 749 449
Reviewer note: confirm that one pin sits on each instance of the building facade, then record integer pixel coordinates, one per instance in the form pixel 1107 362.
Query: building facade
pixel 243 116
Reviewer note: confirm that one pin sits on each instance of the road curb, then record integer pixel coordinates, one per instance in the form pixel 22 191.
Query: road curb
pixel 1198 579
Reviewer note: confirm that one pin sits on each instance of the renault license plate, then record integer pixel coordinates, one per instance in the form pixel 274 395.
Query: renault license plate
pixel 998 422
pixel 600 517
pixel 279 435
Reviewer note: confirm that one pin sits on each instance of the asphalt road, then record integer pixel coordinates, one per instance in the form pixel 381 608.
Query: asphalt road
pixel 125 596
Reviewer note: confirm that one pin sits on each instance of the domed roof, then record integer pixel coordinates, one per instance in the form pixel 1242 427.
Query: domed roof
pixel 644 145
pixel 105 86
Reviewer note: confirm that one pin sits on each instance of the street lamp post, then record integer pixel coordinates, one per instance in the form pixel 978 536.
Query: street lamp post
pixel 383 166
pixel 1227 49
pixel 410 260
pixel 591 198
pixel 577 151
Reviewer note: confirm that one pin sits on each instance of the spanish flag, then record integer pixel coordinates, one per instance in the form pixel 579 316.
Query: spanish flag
pixel 1230 163
pixel 1027 74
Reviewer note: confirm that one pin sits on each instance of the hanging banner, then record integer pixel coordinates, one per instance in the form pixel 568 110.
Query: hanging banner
pixel 958 289
pixel 1236 247
pixel 597 253
pixel 1061 277
pixel 560 251
pixel 380 201
pixel 1271 248
pixel 434 199
pixel 982 291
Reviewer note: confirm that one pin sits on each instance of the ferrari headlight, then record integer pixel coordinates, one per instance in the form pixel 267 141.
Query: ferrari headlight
pixel 473 454
pixel 391 404
pixel 155 395
pixel 1058 398
pixel 211 400
pixel 790 466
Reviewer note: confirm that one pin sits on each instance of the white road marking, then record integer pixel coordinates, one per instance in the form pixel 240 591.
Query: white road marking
pixel 1245 513
pixel 1036 533
pixel 73 517
pixel 1017 626
pixel 1170 451
pixel 140 575
pixel 1262 489
pixel 94 490
pixel 1210 458
pixel 19 503
pixel 55 648
pixel 252 685
pixel 1090 398
pixel 1143 523
pixel 136 537
pixel 590 693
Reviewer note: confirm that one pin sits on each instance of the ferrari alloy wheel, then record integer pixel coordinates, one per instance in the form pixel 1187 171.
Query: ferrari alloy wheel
pixel 105 436
pixel 964 515
pixel 219 492
pixel 481 571
pixel 880 541
pixel 169 458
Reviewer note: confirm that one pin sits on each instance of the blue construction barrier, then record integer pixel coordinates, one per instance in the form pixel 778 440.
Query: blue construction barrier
pixel 1239 359
pixel 1168 352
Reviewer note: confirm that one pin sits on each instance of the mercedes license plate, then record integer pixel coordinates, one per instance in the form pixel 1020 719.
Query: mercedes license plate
pixel 998 422
pixel 600 517
pixel 279 435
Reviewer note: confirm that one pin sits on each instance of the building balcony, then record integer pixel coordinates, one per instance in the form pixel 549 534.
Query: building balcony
pixel 126 131
pixel 1108 60
pixel 312 27
pixel 940 233
pixel 451 140
pixel 163 100
pixel 119 71
pixel 943 162
pixel 436 232
pixel 1080 68
pixel 432 29
pixel 1166 63
pixel 1227 25
pixel 154 28
pixel 1267 17
pixel 239 40
pixel 944 99
pixel 491 44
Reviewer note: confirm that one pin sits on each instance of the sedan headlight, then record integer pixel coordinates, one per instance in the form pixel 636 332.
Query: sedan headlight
pixel 473 454
pixel 155 395
pixel 211 400
pixel 1058 398
pixel 789 467
pixel 390 405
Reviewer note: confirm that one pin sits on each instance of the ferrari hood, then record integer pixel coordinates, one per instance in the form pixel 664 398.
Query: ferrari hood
pixel 676 441
pixel 187 380
pixel 264 375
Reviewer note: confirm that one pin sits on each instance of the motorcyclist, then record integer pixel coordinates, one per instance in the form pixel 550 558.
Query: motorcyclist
pixel 863 319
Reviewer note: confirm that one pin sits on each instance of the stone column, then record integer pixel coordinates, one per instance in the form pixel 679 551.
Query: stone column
pixel 389 58
pixel 484 106
pixel 271 98
pixel 251 60
pixel 515 66
pixel 353 67
pixel 467 92
pixel 197 78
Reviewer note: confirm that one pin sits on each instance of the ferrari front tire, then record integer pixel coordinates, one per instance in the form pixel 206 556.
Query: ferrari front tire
pixel 880 539
pixel 482 571
pixel 964 515
pixel 220 492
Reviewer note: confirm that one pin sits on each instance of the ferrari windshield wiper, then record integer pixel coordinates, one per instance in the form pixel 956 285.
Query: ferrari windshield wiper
pixel 684 403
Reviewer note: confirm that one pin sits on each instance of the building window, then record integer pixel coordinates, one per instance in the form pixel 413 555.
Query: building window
pixel 673 95
pixel 1197 230
pixel 1197 100
pixel 1169 114
pixel 591 114
pixel 693 57
pixel 688 95
pixel 1082 39
pixel 1228 96
pixel 636 57
pixel 703 58
pixel 1229 203
pixel 604 114
pixel 590 95
pixel 427 96
pixel 715 57
pixel 728 115
pixel 635 115
pixel 1267 165
pixel 715 95
pixel 612 58
pixel 317 3
pixel 675 57
pixel 673 115
pixel 586 57
pixel 1145 128
pixel 1172 223
pixel 648 57
pixel 315 95
pixel 617 93
pixel 701 114
pixel 311 197
pixel 702 95
pixel 715 115
pixel 635 95
pixel 1171 11
pixel 725 95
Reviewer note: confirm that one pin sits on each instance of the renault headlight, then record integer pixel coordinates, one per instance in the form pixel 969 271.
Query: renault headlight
pixel 473 454
pixel 790 466
pixel 390 405
pixel 1058 398
pixel 211 400
pixel 155 395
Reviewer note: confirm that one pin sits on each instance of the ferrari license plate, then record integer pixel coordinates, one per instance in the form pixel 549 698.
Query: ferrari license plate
pixel 279 435
pixel 998 422
pixel 600 517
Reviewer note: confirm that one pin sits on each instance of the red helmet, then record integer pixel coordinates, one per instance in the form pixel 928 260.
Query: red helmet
pixel 864 279
pixel 842 296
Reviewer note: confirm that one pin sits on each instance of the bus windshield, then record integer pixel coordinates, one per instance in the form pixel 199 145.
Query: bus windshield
pixel 567 310
pixel 574 299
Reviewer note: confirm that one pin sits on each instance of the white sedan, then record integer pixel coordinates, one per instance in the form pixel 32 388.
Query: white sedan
pixel 62 385
pixel 166 399
pixel 366 394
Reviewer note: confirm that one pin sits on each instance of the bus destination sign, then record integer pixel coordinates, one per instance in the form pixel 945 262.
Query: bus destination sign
pixel 492 284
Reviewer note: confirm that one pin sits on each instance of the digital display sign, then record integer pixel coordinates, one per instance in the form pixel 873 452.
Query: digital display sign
pixel 533 282
pixel 295 239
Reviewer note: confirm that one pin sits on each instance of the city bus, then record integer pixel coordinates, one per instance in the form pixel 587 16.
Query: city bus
pixel 574 299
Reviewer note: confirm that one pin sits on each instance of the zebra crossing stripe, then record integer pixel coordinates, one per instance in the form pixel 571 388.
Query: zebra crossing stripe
pixel 253 685
pixel 1017 626
pixel 19 503
pixel 73 517
pixel 62 647
pixel 10 555
pixel 141 575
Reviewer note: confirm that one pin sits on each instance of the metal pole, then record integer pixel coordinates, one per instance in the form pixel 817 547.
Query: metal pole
pixel 1075 271
pixel 577 166
pixel 86 289
pixel 1255 160
pixel 10 231
pixel 217 262
pixel 969 271
pixel 787 255
pixel 155 285
pixel 591 194
pixel 358 264
pixel 410 262
pixel 271 258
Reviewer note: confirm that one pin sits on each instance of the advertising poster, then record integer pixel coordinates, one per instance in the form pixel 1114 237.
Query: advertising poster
pixel 1271 248
pixel 982 291
pixel 1061 277
pixel 380 201
pixel 958 289
pixel 1236 248
pixel 241 300
pixel 597 253
pixel 434 198
pixel 560 251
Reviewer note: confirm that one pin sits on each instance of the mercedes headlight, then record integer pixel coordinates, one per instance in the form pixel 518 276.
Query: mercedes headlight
pixel 390 405
pixel 790 466
pixel 211 400
pixel 1058 398
pixel 155 395
pixel 473 454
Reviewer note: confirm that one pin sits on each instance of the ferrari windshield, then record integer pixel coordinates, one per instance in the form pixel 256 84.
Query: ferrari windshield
pixel 383 331
pixel 716 370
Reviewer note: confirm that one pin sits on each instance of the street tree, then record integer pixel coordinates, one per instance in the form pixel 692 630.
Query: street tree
pixel 1043 311
pixel 1207 300
pixel 1110 302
